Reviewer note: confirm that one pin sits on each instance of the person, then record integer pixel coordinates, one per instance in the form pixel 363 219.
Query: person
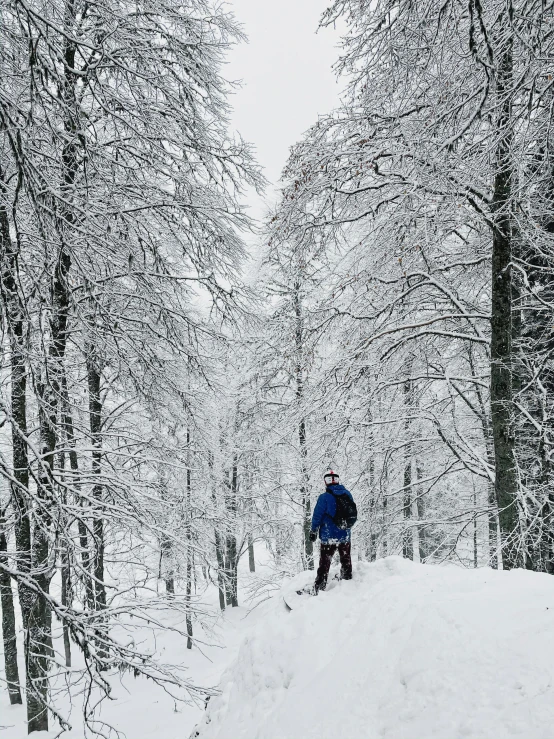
pixel 331 535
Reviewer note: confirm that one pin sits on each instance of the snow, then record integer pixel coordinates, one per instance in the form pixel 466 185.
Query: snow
pixel 139 709
pixel 402 651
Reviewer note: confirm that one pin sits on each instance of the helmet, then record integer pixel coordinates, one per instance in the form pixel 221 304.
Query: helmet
pixel 330 477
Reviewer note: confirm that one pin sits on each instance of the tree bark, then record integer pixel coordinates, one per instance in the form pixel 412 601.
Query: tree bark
pixel 68 428
pixel 167 556
pixel 231 561
pixel 9 635
pixel 65 567
pixel 305 499
pixel 95 421
pixel 31 561
pixel 420 507
pixel 475 537
pixel 189 545
pixel 408 535
pixel 220 557
pixel 16 322
pixel 66 597
pixel 219 543
pixel 251 560
pixel 506 478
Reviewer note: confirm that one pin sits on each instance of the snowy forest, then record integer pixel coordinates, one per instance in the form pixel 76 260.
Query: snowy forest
pixel 177 375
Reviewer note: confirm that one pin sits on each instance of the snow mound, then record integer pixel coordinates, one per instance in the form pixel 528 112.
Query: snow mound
pixel 403 651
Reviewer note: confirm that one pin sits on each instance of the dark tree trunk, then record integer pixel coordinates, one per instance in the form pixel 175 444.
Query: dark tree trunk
pixel 506 478
pixel 383 489
pixel 167 556
pixel 30 555
pixel 219 543
pixel 248 477
pixel 66 596
pixel 231 557
pixel 9 636
pixel 370 517
pixel 251 560
pixel 95 421
pixel 547 289
pixel 167 559
pixel 67 424
pixel 220 556
pixel 39 634
pixel 38 643
pixel 14 311
pixel 66 590
pixel 407 542
pixel 49 393
pixel 475 538
pixel 420 507
pixel 189 545
pixel 408 535
pixel 305 499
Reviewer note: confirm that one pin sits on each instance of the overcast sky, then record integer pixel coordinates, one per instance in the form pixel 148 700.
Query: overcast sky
pixel 287 79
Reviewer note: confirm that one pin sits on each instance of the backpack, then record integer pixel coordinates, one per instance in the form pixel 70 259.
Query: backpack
pixel 346 514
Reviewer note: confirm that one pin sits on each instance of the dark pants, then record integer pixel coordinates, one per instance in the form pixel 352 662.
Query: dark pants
pixel 326 555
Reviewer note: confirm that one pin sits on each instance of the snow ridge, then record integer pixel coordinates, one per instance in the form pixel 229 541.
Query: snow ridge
pixel 403 651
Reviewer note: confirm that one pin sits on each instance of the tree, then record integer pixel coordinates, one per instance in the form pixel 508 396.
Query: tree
pixel 120 188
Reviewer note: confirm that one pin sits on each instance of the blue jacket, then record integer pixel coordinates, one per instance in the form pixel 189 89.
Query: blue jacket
pixel 324 511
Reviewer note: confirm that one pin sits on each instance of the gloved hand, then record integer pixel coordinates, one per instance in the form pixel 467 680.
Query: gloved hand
pixel 313 535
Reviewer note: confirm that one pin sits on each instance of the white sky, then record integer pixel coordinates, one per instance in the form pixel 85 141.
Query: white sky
pixel 287 79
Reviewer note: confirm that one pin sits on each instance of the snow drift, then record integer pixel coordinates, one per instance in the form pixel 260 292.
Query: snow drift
pixel 402 651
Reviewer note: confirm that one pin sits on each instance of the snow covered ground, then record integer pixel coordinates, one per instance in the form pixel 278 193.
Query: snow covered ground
pixel 404 651
pixel 139 709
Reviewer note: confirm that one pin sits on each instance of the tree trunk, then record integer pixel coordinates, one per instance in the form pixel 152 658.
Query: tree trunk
pixel 383 489
pixel 8 623
pixel 231 561
pixel 408 534
pixel 189 545
pixel 66 590
pixel 475 537
pixel 251 560
pixel 506 478
pixel 39 644
pixel 15 320
pixel 32 553
pixel 39 634
pixel 167 556
pixel 370 506
pixel 371 516
pixel 220 556
pixel 167 563
pixel 219 543
pixel 420 507
pixel 67 424
pixel 66 596
pixel 305 499
pixel 95 421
